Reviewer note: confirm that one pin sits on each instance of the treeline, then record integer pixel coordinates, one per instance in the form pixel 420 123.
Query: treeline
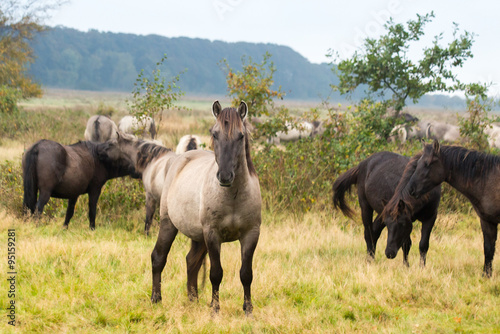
pixel 93 60
pixel 99 61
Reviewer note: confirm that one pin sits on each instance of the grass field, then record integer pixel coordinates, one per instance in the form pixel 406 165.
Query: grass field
pixel 311 274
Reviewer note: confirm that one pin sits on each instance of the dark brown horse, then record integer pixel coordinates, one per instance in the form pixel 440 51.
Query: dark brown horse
pixel 376 179
pixel 474 174
pixel 399 214
pixel 62 171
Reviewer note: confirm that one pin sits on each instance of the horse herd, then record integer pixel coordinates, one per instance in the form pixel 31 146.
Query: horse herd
pixel 214 197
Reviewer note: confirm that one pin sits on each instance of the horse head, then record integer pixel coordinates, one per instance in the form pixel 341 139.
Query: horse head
pixel 229 140
pixel 429 173
pixel 399 226
pixel 118 154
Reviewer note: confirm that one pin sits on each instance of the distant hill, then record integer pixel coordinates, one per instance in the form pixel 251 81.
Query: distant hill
pixel 94 60
pixel 104 61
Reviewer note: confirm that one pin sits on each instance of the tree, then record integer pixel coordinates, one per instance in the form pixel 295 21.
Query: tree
pixel 476 119
pixel 386 68
pixel 152 95
pixel 252 85
pixel 20 21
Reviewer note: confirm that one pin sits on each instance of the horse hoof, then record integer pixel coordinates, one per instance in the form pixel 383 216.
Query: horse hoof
pixel 155 298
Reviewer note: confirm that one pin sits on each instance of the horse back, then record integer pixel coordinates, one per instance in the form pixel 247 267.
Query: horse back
pixel 380 176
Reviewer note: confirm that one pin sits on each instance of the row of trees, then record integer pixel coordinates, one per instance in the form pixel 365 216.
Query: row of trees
pixel 383 66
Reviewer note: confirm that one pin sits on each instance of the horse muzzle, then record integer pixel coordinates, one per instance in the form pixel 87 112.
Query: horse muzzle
pixel 225 178
pixel 391 254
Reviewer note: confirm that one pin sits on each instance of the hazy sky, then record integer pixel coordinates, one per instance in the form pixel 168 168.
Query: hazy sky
pixel 311 28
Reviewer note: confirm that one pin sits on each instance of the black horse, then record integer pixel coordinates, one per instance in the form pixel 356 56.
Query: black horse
pixel 474 174
pixel 62 171
pixel 399 214
pixel 376 179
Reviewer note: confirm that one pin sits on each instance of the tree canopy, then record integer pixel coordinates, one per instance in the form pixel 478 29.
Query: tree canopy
pixel 384 64
pixel 20 20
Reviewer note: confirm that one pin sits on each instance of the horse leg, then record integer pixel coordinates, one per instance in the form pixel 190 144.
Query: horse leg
pixel 423 246
pixel 248 244
pixel 93 198
pixel 194 260
pixel 490 231
pixel 43 199
pixel 367 217
pixel 70 211
pixel 378 227
pixel 166 237
pixel 406 250
pixel 213 245
pixel 150 211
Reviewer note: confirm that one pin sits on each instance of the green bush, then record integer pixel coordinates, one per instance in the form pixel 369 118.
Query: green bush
pixel 8 100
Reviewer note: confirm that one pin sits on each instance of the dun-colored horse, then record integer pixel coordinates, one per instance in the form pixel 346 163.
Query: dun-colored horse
pixel 212 197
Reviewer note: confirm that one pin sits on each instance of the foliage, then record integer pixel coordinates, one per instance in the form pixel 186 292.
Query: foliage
pixel 478 107
pixel 253 85
pixel 8 99
pixel 152 96
pixel 20 21
pixel 386 68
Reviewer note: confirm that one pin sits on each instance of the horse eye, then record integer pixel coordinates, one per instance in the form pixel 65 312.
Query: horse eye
pixel 241 136
pixel 215 135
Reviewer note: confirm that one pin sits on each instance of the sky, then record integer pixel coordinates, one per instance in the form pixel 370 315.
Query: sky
pixel 312 28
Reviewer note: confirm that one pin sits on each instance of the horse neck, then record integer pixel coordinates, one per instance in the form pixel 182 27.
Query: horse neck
pixel 457 178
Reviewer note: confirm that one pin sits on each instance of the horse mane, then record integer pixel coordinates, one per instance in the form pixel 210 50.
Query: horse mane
pixel 230 121
pixel 148 152
pixel 401 193
pixel 471 164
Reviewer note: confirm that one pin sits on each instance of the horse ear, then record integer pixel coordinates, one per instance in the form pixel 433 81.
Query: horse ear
pixel 435 147
pixel 216 109
pixel 243 110
pixel 422 141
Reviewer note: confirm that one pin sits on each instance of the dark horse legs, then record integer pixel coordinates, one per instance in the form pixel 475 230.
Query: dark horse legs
pixel 248 244
pixel 166 237
pixel 194 260
pixel 490 231
pixel 70 211
pixel 214 244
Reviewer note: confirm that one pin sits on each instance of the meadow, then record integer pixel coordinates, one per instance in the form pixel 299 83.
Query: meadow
pixel 311 272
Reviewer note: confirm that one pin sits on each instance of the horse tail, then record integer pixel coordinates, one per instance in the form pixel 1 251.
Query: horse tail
pixel 30 179
pixel 152 128
pixel 96 133
pixel 342 185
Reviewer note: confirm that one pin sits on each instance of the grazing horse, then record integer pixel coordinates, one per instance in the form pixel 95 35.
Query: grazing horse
pixel 443 131
pixel 100 129
pixel 376 179
pixel 296 132
pixel 212 197
pixel 475 174
pixel 132 125
pixel 188 143
pixel 400 213
pixel 63 171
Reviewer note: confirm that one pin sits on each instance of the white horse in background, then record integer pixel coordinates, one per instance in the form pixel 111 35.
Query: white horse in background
pixel 443 131
pixel 100 129
pixel 134 126
pixel 296 132
pixel 493 133
pixel 188 143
